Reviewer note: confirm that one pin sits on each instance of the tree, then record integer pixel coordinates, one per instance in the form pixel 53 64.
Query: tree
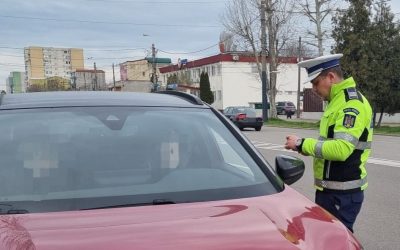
pixel 54 83
pixel 241 18
pixel 205 91
pixel 57 83
pixel 227 42
pixel 316 12
pixel 291 49
pixel 172 79
pixel 371 48
pixel 35 88
pixel 182 77
pixel 383 87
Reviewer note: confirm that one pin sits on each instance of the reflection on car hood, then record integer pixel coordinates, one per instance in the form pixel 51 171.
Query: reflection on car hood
pixel 285 220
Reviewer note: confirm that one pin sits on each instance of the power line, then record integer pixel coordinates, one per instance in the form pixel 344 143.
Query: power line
pixel 94 49
pixel 95 58
pixel 209 47
pixel 158 2
pixel 109 22
pixel 185 53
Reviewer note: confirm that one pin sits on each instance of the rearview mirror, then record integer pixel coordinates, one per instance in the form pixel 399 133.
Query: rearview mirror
pixel 289 168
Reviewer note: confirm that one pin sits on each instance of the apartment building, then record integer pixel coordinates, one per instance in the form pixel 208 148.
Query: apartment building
pixel 44 62
pixel 16 82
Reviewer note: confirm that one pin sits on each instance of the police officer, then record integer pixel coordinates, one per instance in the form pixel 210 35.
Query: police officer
pixel 341 152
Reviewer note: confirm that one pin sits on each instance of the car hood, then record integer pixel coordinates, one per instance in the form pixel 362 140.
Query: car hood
pixel 285 220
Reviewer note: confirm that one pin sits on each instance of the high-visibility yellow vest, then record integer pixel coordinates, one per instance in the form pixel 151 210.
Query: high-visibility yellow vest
pixel 342 150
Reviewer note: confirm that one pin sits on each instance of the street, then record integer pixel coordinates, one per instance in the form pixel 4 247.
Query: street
pixel 378 224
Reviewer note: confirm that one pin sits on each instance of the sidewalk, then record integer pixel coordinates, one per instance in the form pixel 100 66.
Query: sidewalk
pixel 294 118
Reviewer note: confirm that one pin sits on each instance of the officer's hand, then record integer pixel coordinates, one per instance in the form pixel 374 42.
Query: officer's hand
pixel 291 142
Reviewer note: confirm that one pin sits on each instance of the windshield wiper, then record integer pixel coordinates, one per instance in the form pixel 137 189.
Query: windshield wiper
pixel 10 209
pixel 154 202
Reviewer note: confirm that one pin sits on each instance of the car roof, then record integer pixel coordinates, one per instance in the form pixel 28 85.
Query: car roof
pixel 99 98
pixel 239 107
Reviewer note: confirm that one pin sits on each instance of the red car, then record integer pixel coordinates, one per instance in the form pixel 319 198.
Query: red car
pixel 146 171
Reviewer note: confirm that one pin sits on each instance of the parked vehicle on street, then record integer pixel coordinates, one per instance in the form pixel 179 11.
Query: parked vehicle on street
pixel 283 108
pixel 112 170
pixel 244 117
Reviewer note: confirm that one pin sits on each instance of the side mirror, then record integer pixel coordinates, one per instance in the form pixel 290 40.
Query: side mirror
pixel 289 168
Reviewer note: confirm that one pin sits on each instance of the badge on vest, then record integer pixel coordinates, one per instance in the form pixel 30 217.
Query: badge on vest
pixel 349 121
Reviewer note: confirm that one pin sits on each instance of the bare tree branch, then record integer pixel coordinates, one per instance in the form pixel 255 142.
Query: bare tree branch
pixel 239 20
pixel 317 12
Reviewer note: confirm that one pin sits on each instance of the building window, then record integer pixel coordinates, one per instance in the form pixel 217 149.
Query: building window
pixel 143 73
pixel 219 70
pixel 65 52
pixel 219 95
pixel 215 95
pixel 213 70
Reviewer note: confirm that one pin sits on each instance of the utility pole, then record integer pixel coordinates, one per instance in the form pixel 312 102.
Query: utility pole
pixel 74 82
pixel 153 53
pixel 84 80
pixel 264 79
pixel 113 77
pixel 298 81
pixel 95 78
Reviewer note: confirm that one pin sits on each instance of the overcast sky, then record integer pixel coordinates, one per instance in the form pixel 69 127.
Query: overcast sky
pixel 111 31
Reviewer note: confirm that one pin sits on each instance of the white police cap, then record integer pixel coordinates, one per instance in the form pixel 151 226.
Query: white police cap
pixel 315 66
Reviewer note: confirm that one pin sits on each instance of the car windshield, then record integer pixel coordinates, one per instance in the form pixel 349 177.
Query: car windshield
pixel 81 158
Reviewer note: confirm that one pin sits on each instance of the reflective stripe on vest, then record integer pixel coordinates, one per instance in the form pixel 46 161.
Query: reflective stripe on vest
pixel 318 149
pixel 338 185
pixel 361 145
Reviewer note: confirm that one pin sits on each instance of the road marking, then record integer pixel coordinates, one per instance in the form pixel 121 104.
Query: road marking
pixel 371 160
pixel 261 145
pixel 384 162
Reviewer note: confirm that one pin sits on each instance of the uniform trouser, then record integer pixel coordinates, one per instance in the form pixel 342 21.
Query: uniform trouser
pixel 345 207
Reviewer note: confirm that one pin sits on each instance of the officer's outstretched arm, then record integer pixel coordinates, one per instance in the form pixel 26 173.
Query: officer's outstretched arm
pixel 349 125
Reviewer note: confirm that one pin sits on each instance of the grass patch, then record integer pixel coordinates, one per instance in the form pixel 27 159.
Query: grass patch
pixel 386 130
pixel 276 122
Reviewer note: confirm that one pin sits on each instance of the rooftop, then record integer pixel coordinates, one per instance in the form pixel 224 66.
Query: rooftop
pixel 90 70
pixel 225 57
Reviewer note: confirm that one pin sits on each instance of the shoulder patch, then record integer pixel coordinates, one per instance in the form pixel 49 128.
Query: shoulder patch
pixel 349 121
pixel 352 94
pixel 353 110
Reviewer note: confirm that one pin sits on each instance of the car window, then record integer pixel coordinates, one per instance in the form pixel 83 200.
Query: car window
pixel 248 111
pixel 290 104
pixel 112 155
